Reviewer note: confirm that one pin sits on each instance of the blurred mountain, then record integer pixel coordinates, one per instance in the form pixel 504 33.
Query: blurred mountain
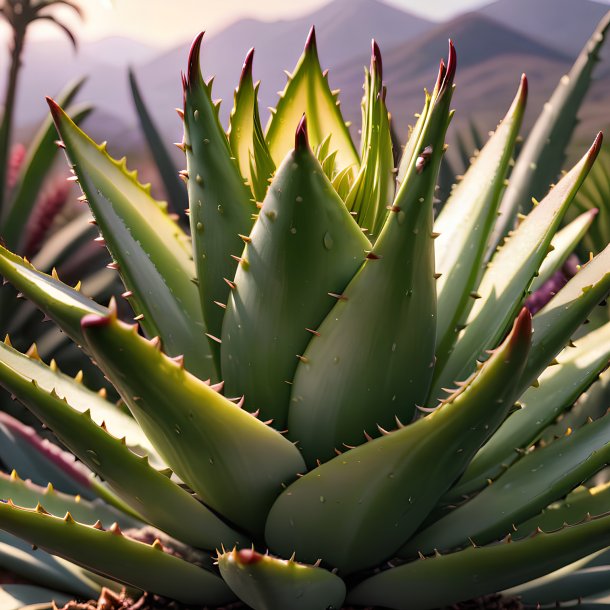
pixel 562 24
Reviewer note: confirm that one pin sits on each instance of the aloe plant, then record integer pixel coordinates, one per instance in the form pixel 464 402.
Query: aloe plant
pixel 289 441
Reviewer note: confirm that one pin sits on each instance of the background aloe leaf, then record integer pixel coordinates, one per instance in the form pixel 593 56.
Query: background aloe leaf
pixel 437 581
pixel 304 246
pixel 508 276
pixel 227 456
pixel 307 92
pixel 373 188
pixel 152 252
pixel 176 193
pixel 466 220
pixel 27 597
pixel 149 493
pixel 35 167
pixel 246 136
pixel 542 155
pixel 110 553
pixel 340 389
pixel 564 243
pixel 356 509
pixel 560 385
pixel 220 202
pixel 526 488
pixel 266 583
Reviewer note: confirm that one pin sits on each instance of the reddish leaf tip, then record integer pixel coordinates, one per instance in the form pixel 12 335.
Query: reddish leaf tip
pixel 193 61
pixel 451 65
pixel 94 320
pixel 310 43
pixel 595 147
pixel 248 556
pixel 523 88
pixel 246 70
pixel 522 328
pixel 301 140
pixel 56 111
pixel 376 63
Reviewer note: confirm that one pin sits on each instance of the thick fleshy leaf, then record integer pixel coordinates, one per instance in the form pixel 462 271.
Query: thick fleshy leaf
pixel 175 190
pixel 543 153
pixel 151 251
pixel 220 202
pixel 507 278
pixel 30 597
pixel 355 510
pixel 437 581
pixel 112 554
pixel 227 456
pixel 149 493
pixel 307 92
pixel 466 220
pixel 304 246
pixel 246 136
pixel 268 583
pixel 559 386
pixel 371 358
pixel 526 488
pixel 36 166
pixel 373 188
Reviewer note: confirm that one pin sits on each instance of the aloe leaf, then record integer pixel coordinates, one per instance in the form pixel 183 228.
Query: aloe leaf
pixel 526 488
pixel 65 305
pixel 220 202
pixel 353 376
pixel 19 558
pixel 112 554
pixel 561 317
pixel 373 188
pixel 438 581
pixel 80 398
pixel 40 460
pixel 357 509
pixel 466 220
pixel 267 583
pixel 542 155
pixel 35 167
pixel 563 244
pixel 176 193
pixel 246 136
pixel 303 226
pixel 30 597
pixel 151 251
pixel 573 509
pixel 227 456
pixel 505 282
pixel 148 492
pixel 307 92
pixel 559 386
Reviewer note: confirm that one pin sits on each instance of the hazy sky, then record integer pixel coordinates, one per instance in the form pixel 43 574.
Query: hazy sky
pixel 166 22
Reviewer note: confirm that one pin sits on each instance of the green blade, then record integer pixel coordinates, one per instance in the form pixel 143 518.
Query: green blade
pixel 227 456
pixel 246 136
pixel 371 358
pixel 354 511
pixel 543 153
pixel 505 282
pixel 151 251
pixel 526 488
pixel 30 597
pixel 303 246
pixel 438 581
pixel 176 193
pixel 36 166
pixel 307 92
pixel 466 221
pixel 219 200
pixel 268 583
pixel 146 491
pixel 559 387
pixel 373 188
pixel 111 554
pixel 64 305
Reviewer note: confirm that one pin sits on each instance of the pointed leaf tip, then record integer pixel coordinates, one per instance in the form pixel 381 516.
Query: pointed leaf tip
pixel 193 61
pixel 595 148
pixel 451 66
pixel 248 556
pixel 300 137
pixel 56 111
pixel 376 63
pixel 93 320
pixel 310 43
pixel 523 88
pixel 522 328
pixel 246 70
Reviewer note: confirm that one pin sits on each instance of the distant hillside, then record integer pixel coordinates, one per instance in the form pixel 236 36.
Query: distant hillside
pixel 563 24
